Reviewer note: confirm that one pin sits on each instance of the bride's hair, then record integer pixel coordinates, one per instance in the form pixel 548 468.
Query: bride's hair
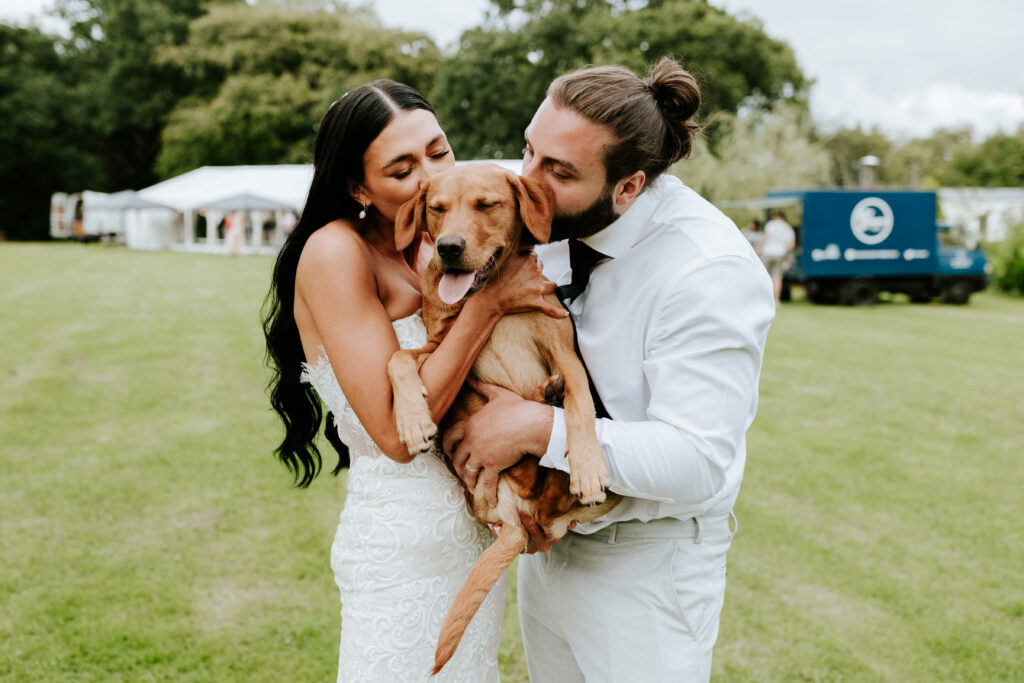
pixel 352 122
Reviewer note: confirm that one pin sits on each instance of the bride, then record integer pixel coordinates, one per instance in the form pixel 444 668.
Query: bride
pixel 342 301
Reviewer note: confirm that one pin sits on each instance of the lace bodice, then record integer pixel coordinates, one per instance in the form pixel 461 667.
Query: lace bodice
pixel 404 545
pixel 320 374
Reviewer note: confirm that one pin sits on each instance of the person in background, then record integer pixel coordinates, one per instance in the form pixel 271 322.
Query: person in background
pixel 234 233
pixel 775 249
pixel 753 232
pixel 287 223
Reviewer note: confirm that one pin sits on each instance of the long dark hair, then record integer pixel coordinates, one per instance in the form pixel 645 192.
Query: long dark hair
pixel 352 122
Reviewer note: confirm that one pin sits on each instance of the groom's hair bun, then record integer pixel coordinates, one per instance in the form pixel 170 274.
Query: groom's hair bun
pixel 652 119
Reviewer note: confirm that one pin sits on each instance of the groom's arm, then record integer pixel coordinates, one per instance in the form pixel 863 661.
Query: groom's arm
pixel 702 363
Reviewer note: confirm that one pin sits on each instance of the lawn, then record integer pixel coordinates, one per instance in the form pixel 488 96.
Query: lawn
pixel 148 534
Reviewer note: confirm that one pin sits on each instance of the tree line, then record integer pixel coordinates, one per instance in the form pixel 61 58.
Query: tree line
pixel 142 90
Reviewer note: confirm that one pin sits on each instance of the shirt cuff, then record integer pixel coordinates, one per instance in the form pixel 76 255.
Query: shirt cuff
pixel 555 456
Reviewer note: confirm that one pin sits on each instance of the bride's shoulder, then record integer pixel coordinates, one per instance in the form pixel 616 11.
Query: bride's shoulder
pixel 336 239
pixel 336 260
pixel 333 247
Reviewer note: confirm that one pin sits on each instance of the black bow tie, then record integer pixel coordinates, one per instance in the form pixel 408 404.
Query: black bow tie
pixel 582 259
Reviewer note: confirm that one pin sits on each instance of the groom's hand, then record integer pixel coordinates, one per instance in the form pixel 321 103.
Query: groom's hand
pixel 496 437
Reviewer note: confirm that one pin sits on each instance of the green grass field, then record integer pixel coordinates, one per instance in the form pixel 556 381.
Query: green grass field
pixel 148 534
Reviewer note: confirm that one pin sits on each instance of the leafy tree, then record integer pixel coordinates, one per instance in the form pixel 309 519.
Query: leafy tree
pixel 947 157
pixel 754 152
pixel 921 162
pixel 39 157
pixel 261 78
pixel 85 111
pixel 847 146
pixel 996 162
pixel 488 90
pixel 1007 259
pixel 123 94
pixel 253 119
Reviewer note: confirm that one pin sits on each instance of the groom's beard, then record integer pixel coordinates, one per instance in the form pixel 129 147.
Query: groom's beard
pixel 586 222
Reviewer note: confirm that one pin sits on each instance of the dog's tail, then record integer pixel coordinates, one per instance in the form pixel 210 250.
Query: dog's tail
pixel 488 569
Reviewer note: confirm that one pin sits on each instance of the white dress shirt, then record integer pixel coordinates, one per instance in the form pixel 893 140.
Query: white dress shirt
pixel 778 238
pixel 672 329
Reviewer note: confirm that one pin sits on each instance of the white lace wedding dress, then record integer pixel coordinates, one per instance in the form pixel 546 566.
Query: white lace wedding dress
pixel 404 545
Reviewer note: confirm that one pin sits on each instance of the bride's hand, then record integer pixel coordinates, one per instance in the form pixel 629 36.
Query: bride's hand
pixel 520 286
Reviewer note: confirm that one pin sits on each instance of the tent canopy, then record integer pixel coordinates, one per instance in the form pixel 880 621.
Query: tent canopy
pixel 760 203
pixel 115 201
pixel 246 202
pixel 129 199
pixel 286 184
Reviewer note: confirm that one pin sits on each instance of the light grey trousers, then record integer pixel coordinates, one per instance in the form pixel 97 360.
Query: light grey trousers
pixel 632 602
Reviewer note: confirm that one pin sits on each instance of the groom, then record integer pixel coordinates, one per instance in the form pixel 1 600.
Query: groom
pixel 672 308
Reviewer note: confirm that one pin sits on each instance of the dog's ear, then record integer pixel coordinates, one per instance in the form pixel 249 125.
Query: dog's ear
pixel 411 218
pixel 536 206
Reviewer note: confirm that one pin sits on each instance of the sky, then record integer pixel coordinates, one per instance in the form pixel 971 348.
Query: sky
pixel 905 66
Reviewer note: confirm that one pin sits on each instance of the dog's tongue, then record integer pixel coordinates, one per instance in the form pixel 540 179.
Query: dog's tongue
pixel 452 288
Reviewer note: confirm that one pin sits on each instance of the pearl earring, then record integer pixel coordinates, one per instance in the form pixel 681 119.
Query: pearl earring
pixel 362 213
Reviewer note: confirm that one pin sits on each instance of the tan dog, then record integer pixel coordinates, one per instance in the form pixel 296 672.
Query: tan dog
pixel 478 216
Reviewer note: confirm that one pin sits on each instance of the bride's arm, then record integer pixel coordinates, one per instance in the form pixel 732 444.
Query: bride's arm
pixel 336 283
pixel 518 286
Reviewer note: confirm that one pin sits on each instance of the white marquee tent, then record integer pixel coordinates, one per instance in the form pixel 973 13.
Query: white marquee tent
pixel 267 190
pixel 259 191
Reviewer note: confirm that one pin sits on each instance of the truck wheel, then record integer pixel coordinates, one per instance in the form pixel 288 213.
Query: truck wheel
pixel 821 293
pixel 859 292
pixel 957 292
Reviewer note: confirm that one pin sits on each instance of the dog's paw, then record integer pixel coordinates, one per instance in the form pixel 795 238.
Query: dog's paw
pixel 589 484
pixel 551 392
pixel 418 437
pixel 554 390
pixel 416 430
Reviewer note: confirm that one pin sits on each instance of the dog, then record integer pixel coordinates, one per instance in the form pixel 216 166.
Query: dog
pixel 478 216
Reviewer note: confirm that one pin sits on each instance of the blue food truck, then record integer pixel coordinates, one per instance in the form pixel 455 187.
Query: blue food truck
pixel 853 244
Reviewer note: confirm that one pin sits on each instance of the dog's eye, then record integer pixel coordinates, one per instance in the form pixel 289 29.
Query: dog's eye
pixel 437 208
pixel 483 205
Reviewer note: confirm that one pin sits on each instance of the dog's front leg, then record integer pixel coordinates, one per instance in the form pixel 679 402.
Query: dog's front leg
pixel 416 429
pixel 588 475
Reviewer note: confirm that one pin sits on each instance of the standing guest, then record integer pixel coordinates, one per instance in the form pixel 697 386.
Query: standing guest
pixel 672 309
pixel 287 222
pixel 776 249
pixel 753 232
pixel 234 234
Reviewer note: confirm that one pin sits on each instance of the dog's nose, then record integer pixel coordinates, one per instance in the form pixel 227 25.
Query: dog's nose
pixel 450 247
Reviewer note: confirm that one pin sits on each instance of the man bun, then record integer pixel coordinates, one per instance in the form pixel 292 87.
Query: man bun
pixel 652 119
pixel 677 94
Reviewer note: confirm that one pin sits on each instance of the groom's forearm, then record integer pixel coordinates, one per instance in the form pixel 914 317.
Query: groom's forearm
pixel 700 369
pixel 650 460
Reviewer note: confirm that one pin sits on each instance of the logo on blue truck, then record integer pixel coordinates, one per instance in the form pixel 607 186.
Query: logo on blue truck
pixel 871 222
